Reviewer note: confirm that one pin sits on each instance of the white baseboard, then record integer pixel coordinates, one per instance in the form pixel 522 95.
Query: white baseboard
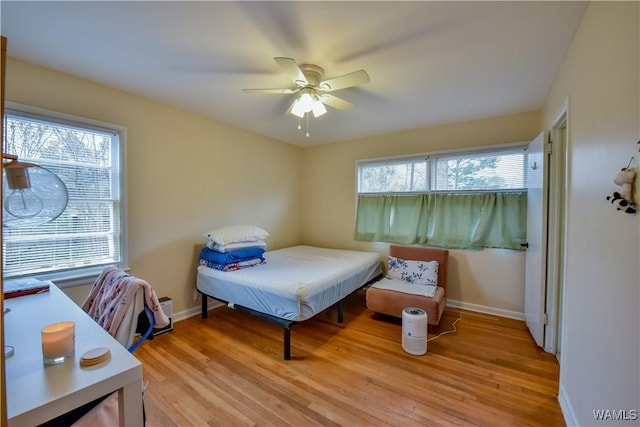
pixel 566 408
pixel 485 309
pixel 194 311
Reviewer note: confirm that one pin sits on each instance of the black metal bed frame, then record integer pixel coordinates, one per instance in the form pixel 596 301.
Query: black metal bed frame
pixel 284 323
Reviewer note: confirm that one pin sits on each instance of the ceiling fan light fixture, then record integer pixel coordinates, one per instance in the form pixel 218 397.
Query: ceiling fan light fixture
pixel 318 109
pixel 297 109
pixel 310 88
pixel 306 99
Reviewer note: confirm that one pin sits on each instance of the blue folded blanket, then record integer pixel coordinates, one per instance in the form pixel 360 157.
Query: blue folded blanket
pixel 230 257
pixel 233 266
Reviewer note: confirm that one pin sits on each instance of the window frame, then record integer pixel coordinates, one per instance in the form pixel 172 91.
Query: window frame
pixel 426 155
pixel 84 275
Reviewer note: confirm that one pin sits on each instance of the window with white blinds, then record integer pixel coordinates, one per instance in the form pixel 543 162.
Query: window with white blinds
pixel 487 170
pixel 89 233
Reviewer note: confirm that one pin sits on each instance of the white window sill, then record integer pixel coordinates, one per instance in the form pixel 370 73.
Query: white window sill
pixel 68 279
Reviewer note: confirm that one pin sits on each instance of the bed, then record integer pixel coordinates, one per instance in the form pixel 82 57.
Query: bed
pixel 294 284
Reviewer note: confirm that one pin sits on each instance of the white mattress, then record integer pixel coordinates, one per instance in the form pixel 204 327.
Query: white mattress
pixel 295 283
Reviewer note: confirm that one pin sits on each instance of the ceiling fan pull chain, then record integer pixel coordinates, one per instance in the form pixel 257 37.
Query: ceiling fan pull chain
pixel 299 125
pixel 307 135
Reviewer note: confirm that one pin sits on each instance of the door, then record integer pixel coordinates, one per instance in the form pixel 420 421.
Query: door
pixel 535 264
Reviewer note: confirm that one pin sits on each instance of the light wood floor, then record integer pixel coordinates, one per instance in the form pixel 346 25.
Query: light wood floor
pixel 228 370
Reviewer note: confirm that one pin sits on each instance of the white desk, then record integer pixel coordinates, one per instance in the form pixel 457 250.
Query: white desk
pixel 37 393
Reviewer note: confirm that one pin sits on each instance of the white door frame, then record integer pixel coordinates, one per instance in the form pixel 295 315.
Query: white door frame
pixel 557 228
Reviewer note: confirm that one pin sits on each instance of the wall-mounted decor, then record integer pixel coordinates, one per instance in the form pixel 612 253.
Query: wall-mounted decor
pixel 623 198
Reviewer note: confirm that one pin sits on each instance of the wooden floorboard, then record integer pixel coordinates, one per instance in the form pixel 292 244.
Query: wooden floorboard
pixel 228 370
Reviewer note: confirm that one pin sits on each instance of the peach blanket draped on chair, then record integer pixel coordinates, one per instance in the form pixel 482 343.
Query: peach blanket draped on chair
pixel 114 303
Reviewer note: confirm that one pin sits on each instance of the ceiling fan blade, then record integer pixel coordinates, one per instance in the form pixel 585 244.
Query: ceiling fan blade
pixel 335 102
pixel 348 80
pixel 281 91
pixel 290 66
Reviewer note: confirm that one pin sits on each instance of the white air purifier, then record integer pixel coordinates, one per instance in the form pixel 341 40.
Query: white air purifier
pixel 414 331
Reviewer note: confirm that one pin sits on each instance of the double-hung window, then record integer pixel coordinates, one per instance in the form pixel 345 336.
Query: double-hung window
pixel 469 199
pixel 90 233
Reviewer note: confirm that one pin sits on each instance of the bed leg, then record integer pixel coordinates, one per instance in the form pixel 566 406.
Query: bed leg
pixel 340 311
pixel 205 313
pixel 287 344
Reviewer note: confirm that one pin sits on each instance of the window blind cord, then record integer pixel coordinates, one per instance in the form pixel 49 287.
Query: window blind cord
pixel 448 332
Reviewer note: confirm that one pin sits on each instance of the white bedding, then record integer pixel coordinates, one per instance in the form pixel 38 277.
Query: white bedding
pixel 295 283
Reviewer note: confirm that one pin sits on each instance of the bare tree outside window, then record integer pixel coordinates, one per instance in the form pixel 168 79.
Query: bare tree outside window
pixel 504 171
pixel 498 170
pixel 394 177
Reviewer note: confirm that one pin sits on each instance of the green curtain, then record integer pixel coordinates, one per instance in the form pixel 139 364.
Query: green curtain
pixel 479 220
pixel 391 218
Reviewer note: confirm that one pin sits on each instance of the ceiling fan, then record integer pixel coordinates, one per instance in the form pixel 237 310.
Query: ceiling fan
pixel 313 90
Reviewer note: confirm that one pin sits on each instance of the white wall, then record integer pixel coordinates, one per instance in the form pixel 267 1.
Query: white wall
pixel 600 360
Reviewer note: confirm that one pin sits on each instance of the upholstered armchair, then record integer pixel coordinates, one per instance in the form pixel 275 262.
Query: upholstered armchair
pixel 392 302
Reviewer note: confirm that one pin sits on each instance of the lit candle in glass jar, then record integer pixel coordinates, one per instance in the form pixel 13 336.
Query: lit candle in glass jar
pixel 58 342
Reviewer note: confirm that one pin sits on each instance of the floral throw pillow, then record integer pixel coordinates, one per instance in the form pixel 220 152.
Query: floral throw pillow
pixel 418 272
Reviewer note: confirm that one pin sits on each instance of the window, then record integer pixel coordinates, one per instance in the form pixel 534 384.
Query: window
pixel 397 176
pixel 502 169
pixel 493 170
pixel 89 234
pixel 458 200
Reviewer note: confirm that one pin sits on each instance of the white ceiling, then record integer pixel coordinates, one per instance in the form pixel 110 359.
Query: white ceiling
pixel 430 62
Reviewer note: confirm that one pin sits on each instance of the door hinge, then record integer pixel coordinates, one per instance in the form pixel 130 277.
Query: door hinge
pixel 547 148
pixel 545 319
